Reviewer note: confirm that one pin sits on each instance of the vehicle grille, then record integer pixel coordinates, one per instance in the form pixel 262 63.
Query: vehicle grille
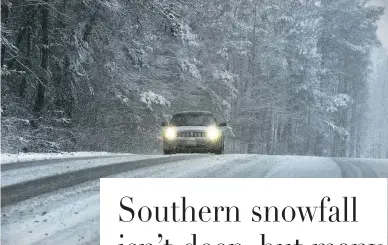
pixel 191 134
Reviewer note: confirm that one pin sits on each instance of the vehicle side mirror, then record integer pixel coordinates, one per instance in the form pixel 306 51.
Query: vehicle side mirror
pixel 164 124
pixel 223 124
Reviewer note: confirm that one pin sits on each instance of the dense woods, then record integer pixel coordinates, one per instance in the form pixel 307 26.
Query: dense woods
pixel 289 77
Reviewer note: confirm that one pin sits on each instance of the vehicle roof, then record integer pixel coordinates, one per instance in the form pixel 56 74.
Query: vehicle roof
pixel 194 112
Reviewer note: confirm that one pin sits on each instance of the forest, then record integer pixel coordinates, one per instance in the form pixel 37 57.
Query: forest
pixel 289 77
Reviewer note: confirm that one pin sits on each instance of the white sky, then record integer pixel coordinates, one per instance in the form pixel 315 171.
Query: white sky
pixel 383 24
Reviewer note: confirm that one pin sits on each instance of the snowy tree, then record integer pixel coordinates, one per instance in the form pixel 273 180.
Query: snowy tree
pixel 290 77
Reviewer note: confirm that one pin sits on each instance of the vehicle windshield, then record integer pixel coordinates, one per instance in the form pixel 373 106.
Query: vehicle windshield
pixel 192 120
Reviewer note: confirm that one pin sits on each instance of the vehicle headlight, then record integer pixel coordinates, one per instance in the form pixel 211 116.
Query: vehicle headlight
pixel 213 133
pixel 170 133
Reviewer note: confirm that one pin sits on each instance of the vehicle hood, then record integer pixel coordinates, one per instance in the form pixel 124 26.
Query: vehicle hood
pixel 191 128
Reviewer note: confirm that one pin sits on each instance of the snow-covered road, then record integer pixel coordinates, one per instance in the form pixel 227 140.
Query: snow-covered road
pixel 71 215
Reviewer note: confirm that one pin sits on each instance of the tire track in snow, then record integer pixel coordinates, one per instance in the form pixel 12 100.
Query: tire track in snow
pixel 35 163
pixel 355 168
pixel 21 191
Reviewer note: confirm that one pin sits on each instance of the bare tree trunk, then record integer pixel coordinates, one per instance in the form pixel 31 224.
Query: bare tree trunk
pixel 340 141
pixel 358 144
pixel 23 85
pixel 251 61
pixel 353 131
pixel 30 14
pixel 308 138
pixel 40 96
pixel 4 18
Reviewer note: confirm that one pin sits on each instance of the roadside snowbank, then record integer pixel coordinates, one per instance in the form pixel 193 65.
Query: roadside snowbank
pixel 26 157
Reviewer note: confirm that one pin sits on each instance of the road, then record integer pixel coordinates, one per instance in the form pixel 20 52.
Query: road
pixel 57 201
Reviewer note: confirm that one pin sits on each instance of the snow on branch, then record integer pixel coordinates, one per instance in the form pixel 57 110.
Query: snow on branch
pixel 342 132
pixel 339 101
pixel 191 68
pixel 151 99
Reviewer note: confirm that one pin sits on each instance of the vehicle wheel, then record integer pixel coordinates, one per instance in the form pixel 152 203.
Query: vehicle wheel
pixel 220 150
pixel 168 152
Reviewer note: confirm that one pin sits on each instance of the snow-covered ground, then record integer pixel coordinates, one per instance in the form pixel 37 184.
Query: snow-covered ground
pixel 71 215
pixel 24 157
